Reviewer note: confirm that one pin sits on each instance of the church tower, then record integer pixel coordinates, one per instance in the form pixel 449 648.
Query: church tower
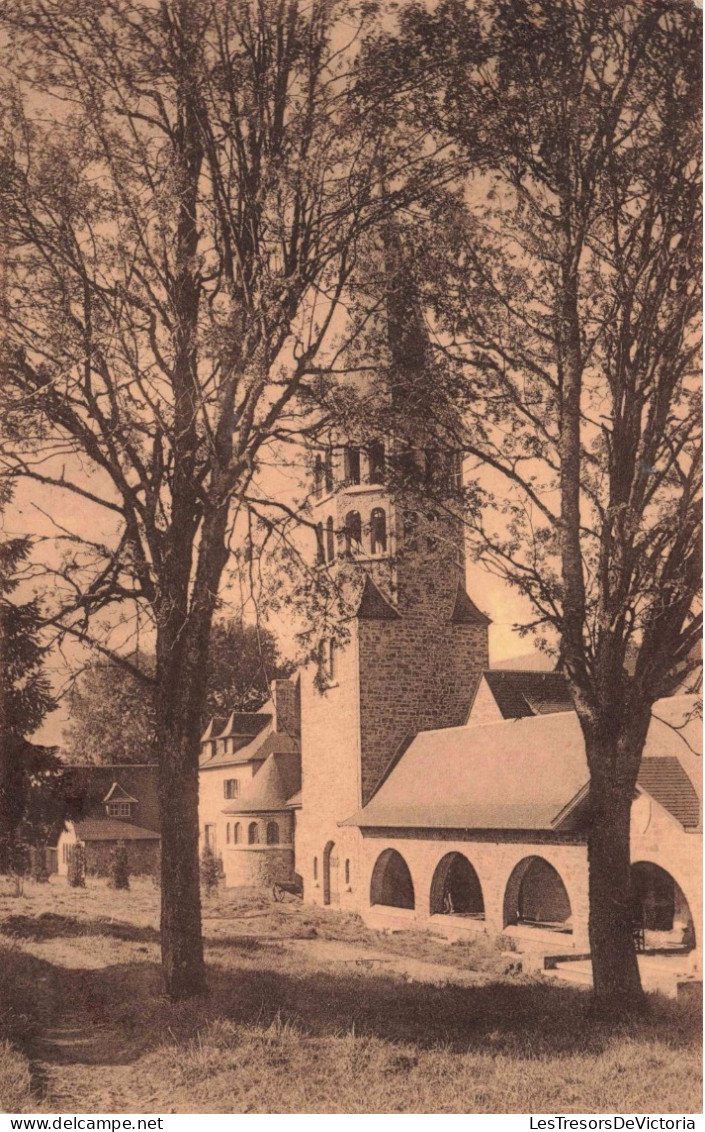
pixel 386 516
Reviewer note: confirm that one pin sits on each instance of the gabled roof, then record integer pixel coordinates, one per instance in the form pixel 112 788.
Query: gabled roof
pixel 373 606
pixel 248 731
pixel 109 829
pixel 116 793
pixel 275 782
pixel 520 774
pixel 519 694
pixel 465 612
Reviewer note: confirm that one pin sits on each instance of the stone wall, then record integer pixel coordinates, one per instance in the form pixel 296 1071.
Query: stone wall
pixel 212 800
pixel 258 866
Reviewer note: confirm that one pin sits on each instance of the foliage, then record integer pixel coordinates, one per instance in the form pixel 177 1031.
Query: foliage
pixel 38 864
pixel 119 867
pixel 564 281
pixel 183 192
pixel 113 715
pixel 25 693
pixel 76 872
pixel 210 870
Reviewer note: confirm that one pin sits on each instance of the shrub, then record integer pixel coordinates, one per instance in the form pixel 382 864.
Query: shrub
pixel 210 870
pixel 119 867
pixel 38 865
pixel 76 873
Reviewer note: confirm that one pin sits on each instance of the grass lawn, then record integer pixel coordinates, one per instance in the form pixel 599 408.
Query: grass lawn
pixel 309 1012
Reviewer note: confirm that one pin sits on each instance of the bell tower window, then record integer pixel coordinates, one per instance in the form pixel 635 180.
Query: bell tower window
pixel 378 531
pixel 352 465
pixel 328 470
pixel 353 532
pixel 377 462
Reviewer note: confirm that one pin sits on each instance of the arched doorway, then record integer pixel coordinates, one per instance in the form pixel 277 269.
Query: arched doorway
pixel 391 881
pixel 331 887
pixel 660 907
pixel 536 896
pixel 455 888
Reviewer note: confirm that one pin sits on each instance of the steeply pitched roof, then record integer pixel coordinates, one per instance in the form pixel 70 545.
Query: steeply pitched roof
pixel 247 731
pixel 518 774
pixel 373 605
pixel 521 694
pixel 275 782
pixel 109 829
pixel 85 789
pixel 117 793
pixel 465 612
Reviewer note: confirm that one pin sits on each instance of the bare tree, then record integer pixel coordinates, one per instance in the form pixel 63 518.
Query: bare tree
pixel 183 188
pixel 564 282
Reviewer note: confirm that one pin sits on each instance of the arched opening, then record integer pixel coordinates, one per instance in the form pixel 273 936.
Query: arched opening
pixel 660 909
pixel 252 834
pixel 328 470
pixel 227 834
pixel 330 539
pixel 352 465
pixel 391 881
pixel 455 888
pixel 236 833
pixel 347 872
pixel 536 896
pixel 378 531
pixel 353 532
pixel 331 888
pixel 377 461
pixel 272 833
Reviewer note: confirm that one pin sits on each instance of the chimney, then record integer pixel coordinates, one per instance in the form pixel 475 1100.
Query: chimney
pixel 287 706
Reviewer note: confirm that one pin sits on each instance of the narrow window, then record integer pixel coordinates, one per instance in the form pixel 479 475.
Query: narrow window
pixel 378 531
pixel 318 476
pixel 328 470
pixel 320 547
pixel 272 833
pixel 227 834
pixel 347 872
pixel 330 539
pixel 352 465
pixel 332 660
pixel 231 787
pixel 252 834
pixel 431 540
pixel 377 462
pixel 315 868
pixel 353 531
pixel 236 833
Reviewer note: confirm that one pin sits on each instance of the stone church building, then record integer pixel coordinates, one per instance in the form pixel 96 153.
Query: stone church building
pixel 403 778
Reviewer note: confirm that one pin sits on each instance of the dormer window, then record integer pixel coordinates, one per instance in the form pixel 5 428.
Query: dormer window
pixel 119 809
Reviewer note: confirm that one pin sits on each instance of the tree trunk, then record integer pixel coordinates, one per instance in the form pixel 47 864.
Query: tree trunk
pixel 182 946
pixel 616 980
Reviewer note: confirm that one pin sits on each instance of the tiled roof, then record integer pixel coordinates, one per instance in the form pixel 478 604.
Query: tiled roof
pixel 518 774
pixel 521 694
pixel 108 829
pixel 274 783
pixel 665 780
